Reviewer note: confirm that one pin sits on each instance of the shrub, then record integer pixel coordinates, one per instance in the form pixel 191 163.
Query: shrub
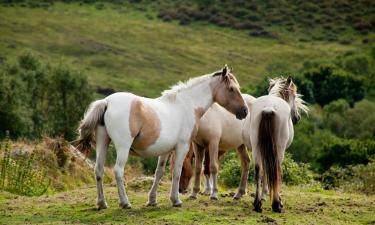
pixel 346 122
pixel 330 83
pixel 343 152
pixel 293 173
pixel 36 99
pixel 359 178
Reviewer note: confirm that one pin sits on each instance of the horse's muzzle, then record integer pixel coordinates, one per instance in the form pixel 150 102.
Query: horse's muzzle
pixel 182 191
pixel 242 113
pixel 296 119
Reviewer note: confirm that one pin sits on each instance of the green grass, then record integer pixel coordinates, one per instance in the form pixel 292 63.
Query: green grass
pixel 302 206
pixel 120 47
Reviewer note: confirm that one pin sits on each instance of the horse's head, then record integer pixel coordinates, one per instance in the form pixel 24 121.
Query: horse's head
pixel 186 174
pixel 226 92
pixel 287 90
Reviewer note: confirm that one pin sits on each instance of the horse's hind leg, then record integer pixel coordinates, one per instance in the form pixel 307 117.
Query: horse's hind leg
pixel 265 190
pixel 158 175
pixel 213 148
pixel 102 142
pixel 122 149
pixel 245 163
pixel 198 152
pixel 258 178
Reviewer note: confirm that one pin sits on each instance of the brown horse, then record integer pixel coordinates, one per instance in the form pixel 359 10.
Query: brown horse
pixel 218 131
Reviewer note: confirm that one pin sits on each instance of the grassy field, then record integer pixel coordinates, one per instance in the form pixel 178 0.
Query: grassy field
pixel 132 50
pixel 302 206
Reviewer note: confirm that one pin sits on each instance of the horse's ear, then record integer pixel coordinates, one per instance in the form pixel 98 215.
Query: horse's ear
pixel 289 80
pixel 224 71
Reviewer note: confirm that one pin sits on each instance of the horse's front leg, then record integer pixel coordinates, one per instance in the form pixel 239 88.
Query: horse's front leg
pixel 158 175
pixel 245 163
pixel 213 148
pixel 181 151
pixel 207 190
pixel 198 152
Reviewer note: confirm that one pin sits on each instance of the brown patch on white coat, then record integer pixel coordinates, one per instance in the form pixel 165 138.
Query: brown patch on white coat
pixel 144 125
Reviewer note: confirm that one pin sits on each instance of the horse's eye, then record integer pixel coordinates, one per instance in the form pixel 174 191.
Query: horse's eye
pixel 231 89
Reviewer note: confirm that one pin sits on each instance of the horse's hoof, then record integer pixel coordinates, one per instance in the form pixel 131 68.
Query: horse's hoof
pixel 259 210
pixel 177 204
pixel 276 207
pixel 206 192
pixel 193 197
pixel 237 196
pixel 257 206
pixel 215 198
pixel 125 206
pixel 151 204
pixel 101 205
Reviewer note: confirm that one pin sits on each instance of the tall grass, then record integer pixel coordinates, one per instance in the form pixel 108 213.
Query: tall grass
pixel 19 173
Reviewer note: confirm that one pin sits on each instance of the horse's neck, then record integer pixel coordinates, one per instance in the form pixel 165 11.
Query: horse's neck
pixel 198 96
pixel 277 94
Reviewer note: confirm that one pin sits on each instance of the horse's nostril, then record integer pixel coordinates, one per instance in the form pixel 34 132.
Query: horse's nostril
pixel 245 110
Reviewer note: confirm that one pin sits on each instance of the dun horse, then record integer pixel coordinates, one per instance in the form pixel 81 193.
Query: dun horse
pixel 218 131
pixel 269 131
pixel 153 127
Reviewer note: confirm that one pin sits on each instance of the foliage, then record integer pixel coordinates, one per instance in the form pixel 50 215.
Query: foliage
pixel 358 178
pixel 342 152
pixel 346 122
pixel 293 173
pixel 39 99
pixel 149 164
pixel 19 174
pixel 330 83
pixel 230 170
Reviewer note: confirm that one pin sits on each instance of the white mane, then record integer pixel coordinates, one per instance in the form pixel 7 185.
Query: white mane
pixel 279 84
pixel 180 86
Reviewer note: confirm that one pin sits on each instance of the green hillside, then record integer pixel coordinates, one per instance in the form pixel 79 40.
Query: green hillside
pixel 128 49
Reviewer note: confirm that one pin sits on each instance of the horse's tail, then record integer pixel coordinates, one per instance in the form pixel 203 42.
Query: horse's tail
pixel 93 117
pixel 268 150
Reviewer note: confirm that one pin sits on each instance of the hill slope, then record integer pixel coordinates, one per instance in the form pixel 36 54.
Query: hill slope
pixel 126 49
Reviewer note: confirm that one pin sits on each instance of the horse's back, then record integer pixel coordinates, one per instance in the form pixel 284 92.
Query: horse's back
pixel 281 111
pixel 149 122
pixel 217 124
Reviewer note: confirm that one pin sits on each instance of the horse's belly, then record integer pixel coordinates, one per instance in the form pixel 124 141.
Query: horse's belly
pixel 163 145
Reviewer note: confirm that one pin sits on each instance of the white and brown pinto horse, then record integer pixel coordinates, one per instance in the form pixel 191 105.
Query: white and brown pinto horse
pixel 153 127
pixel 268 132
pixel 218 131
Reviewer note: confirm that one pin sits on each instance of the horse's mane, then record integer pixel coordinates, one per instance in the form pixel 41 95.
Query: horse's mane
pixel 278 85
pixel 180 86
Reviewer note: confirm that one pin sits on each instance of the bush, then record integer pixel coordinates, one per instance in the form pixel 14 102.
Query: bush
pixel 343 152
pixel 346 122
pixel 359 178
pixel 330 83
pixel 37 99
pixel 293 173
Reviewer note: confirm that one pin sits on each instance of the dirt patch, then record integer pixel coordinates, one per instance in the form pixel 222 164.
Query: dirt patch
pixel 268 220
